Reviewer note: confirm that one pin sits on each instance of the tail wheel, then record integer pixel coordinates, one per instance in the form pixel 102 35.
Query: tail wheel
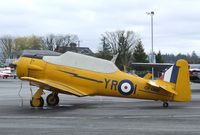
pixel 52 99
pixel 37 102
pixel 165 104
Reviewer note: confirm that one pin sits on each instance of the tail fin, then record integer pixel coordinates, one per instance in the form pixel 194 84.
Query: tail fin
pixel 148 76
pixel 114 58
pixel 179 75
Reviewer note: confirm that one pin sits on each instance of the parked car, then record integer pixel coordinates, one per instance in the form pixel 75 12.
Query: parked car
pixel 7 72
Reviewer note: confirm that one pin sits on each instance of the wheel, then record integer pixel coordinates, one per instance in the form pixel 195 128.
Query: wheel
pixel 52 99
pixel 165 104
pixel 37 102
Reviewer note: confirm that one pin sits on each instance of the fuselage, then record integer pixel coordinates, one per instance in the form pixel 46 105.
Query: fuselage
pixel 117 84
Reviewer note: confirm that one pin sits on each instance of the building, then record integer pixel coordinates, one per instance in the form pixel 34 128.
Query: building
pixel 74 48
pixel 37 53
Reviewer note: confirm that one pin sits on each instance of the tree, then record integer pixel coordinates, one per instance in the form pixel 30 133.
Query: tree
pixel 29 42
pixel 171 58
pixel 49 42
pixel 121 42
pixel 105 51
pixel 159 58
pixel 52 41
pixel 194 58
pixel 138 54
pixel 7 46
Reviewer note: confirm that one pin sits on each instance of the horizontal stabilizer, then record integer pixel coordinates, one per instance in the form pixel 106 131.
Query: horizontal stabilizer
pixel 166 86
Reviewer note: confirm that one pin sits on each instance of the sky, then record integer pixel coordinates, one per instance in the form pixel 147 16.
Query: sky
pixel 176 22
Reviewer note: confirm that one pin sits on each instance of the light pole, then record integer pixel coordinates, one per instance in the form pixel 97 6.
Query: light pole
pixel 152 54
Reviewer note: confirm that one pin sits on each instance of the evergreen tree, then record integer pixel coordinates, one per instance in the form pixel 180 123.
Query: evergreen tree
pixel 105 51
pixel 159 58
pixel 138 54
pixel 124 50
pixel 194 58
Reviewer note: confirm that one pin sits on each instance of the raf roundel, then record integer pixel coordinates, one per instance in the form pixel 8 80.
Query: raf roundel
pixel 126 87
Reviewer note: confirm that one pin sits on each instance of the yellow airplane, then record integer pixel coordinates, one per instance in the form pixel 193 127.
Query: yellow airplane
pixel 81 75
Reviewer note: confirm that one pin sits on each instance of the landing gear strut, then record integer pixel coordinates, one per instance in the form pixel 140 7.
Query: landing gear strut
pixel 37 100
pixel 52 99
pixel 165 104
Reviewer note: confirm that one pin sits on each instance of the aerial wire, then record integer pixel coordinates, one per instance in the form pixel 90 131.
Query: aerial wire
pixel 19 94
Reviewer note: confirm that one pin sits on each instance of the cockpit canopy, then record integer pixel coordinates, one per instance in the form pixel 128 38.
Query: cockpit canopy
pixel 81 61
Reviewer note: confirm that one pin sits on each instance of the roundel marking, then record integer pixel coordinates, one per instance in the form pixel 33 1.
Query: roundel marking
pixel 126 87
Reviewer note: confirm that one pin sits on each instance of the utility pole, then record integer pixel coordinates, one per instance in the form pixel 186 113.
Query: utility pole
pixel 152 53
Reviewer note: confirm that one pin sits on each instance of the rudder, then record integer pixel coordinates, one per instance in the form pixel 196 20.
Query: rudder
pixel 182 86
pixel 178 74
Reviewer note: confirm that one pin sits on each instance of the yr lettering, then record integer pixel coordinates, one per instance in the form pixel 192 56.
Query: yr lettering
pixel 113 84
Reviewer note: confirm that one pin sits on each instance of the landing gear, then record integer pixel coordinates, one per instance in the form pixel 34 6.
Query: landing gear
pixel 37 102
pixel 165 104
pixel 52 99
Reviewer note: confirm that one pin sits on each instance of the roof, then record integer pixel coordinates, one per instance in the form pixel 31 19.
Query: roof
pixel 82 50
pixel 156 66
pixel 81 61
pixel 40 52
pixel 34 53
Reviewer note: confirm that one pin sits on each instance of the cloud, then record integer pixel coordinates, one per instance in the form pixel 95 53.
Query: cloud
pixel 176 23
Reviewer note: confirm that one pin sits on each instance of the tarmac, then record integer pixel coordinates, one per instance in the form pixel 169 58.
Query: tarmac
pixel 94 115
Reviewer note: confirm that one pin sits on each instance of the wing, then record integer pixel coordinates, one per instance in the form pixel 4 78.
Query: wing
pixel 165 86
pixel 63 87
pixel 156 66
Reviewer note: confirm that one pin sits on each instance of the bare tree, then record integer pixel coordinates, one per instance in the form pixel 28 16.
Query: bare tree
pixel 65 40
pixel 49 42
pixel 7 46
pixel 53 41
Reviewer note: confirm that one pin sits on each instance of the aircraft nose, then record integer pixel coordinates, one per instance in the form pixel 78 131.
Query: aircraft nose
pixel 21 66
pixel 17 66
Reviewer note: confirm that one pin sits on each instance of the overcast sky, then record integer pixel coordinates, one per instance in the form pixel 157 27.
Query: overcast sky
pixel 176 22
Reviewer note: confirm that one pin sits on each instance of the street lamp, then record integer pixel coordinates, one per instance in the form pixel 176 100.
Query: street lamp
pixel 152 60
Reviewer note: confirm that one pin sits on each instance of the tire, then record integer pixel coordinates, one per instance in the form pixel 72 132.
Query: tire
pixel 37 102
pixel 52 99
pixel 165 104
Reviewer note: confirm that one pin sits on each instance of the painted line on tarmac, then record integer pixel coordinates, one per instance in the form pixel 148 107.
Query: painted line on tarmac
pixel 101 117
pixel 163 116
pixel 34 117
pixel 193 107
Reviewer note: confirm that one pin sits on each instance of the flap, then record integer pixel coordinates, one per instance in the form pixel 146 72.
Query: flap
pixel 56 85
pixel 169 87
